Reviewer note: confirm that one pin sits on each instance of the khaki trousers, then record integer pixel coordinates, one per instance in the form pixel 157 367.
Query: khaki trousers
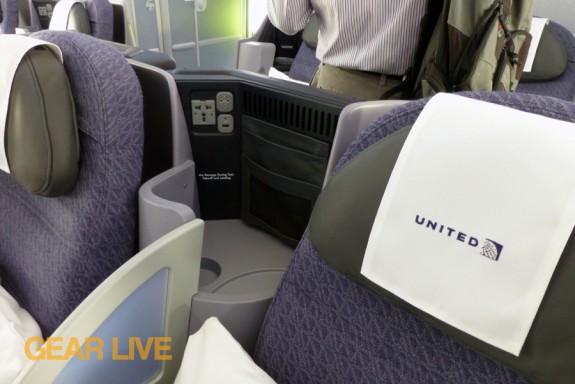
pixel 360 84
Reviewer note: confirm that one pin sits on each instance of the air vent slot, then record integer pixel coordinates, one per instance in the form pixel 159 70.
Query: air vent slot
pixel 299 116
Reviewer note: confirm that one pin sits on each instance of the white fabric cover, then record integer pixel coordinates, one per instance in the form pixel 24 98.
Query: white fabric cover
pixel 275 74
pixel 476 214
pixel 537 26
pixel 60 16
pixel 16 326
pixel 13 48
pixel 213 356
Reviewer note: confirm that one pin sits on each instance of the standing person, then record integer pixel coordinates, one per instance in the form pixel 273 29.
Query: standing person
pixel 365 46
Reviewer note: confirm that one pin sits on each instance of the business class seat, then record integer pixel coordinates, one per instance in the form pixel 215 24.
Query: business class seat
pixel 8 16
pixel 96 18
pixel 55 250
pixel 327 324
pixel 92 17
pixel 66 250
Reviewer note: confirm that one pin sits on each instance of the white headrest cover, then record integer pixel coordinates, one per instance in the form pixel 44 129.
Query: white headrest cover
pixel 59 21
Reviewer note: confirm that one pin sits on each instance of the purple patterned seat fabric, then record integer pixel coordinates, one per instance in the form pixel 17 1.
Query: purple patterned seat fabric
pixel 9 19
pixel 562 87
pixel 55 251
pixel 322 327
pixel 304 64
pixel 101 15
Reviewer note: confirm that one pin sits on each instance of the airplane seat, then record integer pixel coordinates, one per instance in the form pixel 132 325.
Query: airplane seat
pixel 556 81
pixel 101 19
pixel 305 63
pixel 67 257
pixel 8 16
pixel 55 250
pixel 91 17
pixel 101 14
pixel 327 323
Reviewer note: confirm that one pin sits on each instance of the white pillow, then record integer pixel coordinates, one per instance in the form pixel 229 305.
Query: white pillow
pixel 275 74
pixel 16 326
pixel 213 356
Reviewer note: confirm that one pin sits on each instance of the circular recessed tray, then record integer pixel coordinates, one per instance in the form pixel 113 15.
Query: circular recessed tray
pixel 210 270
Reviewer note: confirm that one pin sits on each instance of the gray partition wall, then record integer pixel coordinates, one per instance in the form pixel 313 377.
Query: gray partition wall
pixel 560 11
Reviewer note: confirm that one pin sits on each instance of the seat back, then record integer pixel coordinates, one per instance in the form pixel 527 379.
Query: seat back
pixel 8 16
pixel 55 251
pixel 305 63
pixel 101 15
pixel 326 324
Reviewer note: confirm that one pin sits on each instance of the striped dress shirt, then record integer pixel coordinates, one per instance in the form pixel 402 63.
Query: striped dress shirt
pixel 369 35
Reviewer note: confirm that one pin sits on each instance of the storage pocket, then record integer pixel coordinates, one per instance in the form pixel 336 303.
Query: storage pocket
pixel 282 175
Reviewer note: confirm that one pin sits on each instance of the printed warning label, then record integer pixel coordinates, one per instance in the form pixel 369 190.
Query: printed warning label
pixel 216 176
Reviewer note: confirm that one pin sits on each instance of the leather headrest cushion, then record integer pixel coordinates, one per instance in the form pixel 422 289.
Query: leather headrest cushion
pixel 550 58
pixel 41 137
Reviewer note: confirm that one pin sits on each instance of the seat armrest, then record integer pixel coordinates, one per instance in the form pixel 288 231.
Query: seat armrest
pixel 147 298
pixel 166 202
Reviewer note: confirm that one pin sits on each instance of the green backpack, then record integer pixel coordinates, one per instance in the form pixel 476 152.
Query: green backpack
pixel 474 45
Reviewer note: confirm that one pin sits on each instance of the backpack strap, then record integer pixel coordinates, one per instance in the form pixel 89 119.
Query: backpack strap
pixel 432 15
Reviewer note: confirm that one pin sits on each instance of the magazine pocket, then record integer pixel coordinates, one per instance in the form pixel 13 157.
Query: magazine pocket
pixel 282 175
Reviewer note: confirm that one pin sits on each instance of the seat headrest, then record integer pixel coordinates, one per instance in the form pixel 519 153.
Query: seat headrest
pixel 70 15
pixel 311 31
pixel 346 209
pixel 544 69
pixel 38 123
